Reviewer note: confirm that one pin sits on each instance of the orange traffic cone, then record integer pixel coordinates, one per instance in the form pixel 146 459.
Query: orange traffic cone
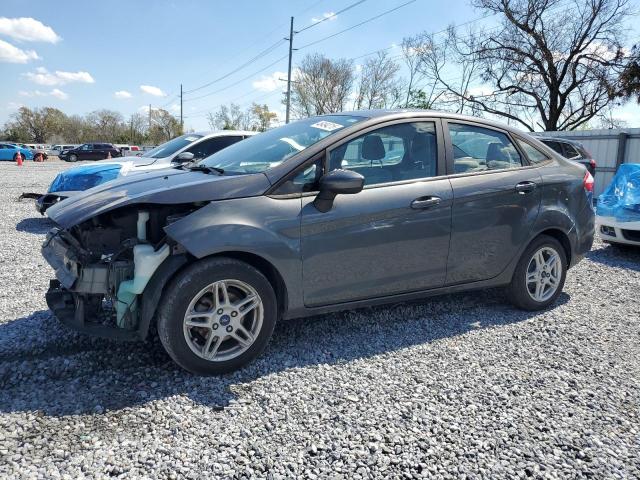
pixel 18 159
pixel 109 156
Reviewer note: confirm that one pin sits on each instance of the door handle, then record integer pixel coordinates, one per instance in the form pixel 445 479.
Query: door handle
pixel 525 187
pixel 425 202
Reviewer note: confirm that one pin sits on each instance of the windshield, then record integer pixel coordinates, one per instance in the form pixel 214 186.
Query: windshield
pixel 172 146
pixel 264 151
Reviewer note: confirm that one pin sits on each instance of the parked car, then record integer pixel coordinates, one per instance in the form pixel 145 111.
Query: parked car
pixel 129 149
pixel 9 151
pixel 618 209
pixel 186 148
pixel 316 216
pixel 57 149
pixel 90 151
pixel 572 150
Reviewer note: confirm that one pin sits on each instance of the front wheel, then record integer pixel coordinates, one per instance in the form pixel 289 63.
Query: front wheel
pixel 540 274
pixel 73 158
pixel 217 316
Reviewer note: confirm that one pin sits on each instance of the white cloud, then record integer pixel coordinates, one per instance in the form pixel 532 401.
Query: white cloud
pixel 151 90
pixel 327 15
pixel 12 54
pixel 57 93
pixel 122 94
pixel 44 77
pixel 270 83
pixel 27 29
pixel 174 108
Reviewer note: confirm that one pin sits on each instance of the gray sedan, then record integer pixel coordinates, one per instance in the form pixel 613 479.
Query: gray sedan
pixel 327 213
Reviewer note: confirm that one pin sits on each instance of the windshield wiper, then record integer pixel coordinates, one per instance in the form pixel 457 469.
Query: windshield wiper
pixel 205 168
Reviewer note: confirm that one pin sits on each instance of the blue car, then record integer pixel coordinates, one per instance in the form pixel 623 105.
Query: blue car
pixel 9 151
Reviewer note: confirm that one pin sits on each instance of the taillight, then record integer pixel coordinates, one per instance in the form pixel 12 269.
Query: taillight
pixel 587 182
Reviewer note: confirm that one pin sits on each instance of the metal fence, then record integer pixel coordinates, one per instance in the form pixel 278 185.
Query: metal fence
pixel 610 148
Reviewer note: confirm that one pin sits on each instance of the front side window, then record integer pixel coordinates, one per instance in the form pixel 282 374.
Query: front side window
pixel 478 149
pixel 534 155
pixel 405 151
pixel 273 147
pixel 172 146
pixel 210 146
pixel 305 179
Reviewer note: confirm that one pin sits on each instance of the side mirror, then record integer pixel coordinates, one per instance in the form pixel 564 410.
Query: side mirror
pixel 184 157
pixel 337 182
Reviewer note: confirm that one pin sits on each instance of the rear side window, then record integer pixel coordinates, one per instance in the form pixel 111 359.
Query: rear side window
pixel 478 149
pixel 534 155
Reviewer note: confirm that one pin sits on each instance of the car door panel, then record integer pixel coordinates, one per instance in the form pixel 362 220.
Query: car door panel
pixel 374 243
pixel 494 207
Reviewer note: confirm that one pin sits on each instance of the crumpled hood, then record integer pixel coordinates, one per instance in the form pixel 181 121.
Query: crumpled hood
pixel 166 186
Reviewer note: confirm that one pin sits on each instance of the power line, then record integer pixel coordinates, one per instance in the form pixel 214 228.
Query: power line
pixel 330 17
pixel 237 69
pixel 357 24
pixel 238 81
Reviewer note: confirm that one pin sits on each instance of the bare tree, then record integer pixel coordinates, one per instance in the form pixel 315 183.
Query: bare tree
pixel 37 125
pixel 412 50
pixel 321 85
pixel 547 65
pixel 164 126
pixel 630 77
pixel 261 117
pixel 228 118
pixel 378 86
pixel 105 124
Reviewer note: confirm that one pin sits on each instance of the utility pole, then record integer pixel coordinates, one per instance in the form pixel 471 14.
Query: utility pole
pixel 289 71
pixel 181 122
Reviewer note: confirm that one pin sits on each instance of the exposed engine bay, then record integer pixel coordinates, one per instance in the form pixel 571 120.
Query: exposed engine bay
pixel 104 265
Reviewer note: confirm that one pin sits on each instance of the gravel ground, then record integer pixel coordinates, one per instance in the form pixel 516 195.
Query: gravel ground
pixel 461 386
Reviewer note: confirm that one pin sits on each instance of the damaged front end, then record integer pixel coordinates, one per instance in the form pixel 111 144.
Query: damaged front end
pixel 110 270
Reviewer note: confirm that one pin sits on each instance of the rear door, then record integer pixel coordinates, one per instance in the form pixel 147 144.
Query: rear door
pixel 496 200
pixel 393 236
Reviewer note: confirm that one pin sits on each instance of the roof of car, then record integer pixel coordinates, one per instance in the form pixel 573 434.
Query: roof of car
pixel 222 133
pixel 413 112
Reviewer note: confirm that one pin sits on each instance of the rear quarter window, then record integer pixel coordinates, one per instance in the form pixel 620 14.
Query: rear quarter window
pixel 534 155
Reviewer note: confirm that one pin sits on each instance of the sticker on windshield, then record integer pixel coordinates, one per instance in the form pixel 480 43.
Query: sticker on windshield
pixel 327 126
pixel 191 139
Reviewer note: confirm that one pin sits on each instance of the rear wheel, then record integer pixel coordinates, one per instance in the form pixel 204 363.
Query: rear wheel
pixel 540 274
pixel 217 316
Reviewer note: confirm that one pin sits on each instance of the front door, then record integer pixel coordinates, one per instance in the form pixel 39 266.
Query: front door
pixel 392 237
pixel 496 202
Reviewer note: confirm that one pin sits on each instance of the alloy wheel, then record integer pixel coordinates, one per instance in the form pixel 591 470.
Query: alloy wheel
pixel 223 320
pixel 543 274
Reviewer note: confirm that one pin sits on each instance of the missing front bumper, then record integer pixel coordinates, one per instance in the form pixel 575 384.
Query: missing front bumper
pixel 83 313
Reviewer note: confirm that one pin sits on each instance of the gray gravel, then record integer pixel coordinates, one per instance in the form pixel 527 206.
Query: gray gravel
pixel 461 386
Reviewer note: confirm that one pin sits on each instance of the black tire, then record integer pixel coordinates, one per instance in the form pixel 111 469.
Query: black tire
pixel 518 291
pixel 72 158
pixel 186 286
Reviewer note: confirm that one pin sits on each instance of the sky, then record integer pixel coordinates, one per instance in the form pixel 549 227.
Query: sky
pixel 125 55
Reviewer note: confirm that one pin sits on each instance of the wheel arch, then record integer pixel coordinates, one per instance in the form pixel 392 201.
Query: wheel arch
pixel 562 238
pixel 265 267
pixel 176 264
